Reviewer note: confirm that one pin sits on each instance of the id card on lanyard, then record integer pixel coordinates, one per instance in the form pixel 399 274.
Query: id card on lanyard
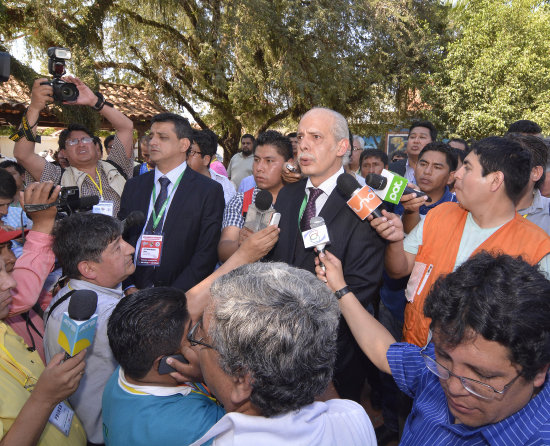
pixel 103 207
pixel 150 248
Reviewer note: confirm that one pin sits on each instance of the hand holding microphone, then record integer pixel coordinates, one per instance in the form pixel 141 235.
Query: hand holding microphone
pixel 260 214
pixel 362 200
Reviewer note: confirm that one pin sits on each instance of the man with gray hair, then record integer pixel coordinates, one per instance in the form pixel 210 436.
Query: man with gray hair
pixel 267 345
pixel 323 140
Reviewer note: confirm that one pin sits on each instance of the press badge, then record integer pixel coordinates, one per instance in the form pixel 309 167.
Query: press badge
pixel 150 250
pixel 104 207
pixel 62 417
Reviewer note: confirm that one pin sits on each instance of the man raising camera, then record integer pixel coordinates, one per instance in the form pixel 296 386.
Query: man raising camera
pixel 87 171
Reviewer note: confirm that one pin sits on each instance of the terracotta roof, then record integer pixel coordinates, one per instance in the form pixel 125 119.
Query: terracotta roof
pixel 132 100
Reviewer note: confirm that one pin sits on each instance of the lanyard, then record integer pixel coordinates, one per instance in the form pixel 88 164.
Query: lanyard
pixel 17 371
pixel 302 209
pixel 100 187
pixel 158 218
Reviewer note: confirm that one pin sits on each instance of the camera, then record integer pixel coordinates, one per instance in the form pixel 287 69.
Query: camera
pixel 62 91
pixel 4 67
pixel 70 201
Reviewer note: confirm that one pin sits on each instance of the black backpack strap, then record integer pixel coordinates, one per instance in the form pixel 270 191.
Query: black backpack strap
pixel 56 304
pixel 120 171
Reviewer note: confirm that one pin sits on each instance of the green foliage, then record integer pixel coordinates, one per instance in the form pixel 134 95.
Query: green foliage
pixel 496 71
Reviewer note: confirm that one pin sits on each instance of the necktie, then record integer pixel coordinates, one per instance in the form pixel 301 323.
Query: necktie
pixel 310 210
pixel 164 182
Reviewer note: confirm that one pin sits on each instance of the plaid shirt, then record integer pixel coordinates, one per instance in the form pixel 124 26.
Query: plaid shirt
pixel 233 213
pixel 53 173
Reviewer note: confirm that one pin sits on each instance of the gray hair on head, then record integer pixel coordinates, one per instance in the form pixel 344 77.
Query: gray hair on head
pixel 278 323
pixel 339 127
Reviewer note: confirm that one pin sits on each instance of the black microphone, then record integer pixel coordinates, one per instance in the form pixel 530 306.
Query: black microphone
pixel 134 218
pixel 86 202
pixel 77 330
pixel 259 214
pixel 379 182
pixel 349 187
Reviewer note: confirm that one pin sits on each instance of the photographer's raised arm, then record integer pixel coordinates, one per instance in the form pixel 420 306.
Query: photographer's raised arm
pixel 24 149
pixel 121 123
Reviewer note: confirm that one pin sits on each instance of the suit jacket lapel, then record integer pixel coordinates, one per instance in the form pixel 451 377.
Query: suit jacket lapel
pixel 181 195
pixel 144 198
pixel 333 206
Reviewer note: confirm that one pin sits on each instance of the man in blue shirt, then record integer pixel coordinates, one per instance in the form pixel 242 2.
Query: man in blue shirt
pixel 142 403
pixel 482 380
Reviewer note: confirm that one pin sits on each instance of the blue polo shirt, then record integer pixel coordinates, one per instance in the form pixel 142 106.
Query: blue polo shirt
pixel 431 423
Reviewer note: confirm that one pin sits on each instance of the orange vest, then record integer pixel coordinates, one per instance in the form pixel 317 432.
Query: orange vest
pixel 443 228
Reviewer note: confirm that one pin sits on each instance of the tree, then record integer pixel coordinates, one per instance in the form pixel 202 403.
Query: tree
pixel 249 65
pixel 496 71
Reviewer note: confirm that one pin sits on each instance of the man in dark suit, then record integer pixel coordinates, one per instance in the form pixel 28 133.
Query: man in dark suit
pixel 322 142
pixel 178 244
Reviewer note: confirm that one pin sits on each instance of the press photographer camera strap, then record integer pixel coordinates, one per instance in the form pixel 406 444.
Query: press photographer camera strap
pixel 26 131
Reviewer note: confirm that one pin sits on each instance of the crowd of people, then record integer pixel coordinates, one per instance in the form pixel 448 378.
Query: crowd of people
pixel 209 332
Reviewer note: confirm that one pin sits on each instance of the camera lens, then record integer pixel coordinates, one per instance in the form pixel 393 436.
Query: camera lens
pixel 69 92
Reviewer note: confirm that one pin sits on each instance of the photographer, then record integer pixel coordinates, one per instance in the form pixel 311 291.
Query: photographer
pixel 87 171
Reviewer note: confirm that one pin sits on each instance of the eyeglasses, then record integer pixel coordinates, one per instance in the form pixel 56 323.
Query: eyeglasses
pixel 75 141
pixel 194 152
pixel 193 341
pixel 473 386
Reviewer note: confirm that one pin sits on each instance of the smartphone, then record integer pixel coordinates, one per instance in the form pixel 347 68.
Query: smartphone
pixel 292 168
pixel 164 368
pixel 275 218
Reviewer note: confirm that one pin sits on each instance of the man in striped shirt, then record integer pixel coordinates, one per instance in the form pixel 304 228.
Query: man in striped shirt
pixel 482 377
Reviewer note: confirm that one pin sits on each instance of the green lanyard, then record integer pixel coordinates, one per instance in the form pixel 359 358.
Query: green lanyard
pixel 302 209
pixel 158 218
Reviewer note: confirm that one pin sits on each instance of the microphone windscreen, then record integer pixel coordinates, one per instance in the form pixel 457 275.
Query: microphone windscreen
pixel 376 181
pixel 87 202
pixel 347 184
pixel 263 201
pixel 135 218
pixel 82 305
pixel 315 222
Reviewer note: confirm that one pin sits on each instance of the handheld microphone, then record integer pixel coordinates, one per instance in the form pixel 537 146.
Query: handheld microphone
pixel 363 201
pixel 318 223
pixel 78 325
pixel 260 212
pixel 134 218
pixel 390 186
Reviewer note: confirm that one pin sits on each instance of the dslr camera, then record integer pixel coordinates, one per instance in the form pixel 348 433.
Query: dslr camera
pixel 62 91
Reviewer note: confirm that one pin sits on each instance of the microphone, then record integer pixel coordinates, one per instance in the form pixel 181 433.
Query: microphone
pixel 85 203
pixel 318 223
pixel 134 218
pixel 390 186
pixel 362 200
pixel 260 212
pixel 78 325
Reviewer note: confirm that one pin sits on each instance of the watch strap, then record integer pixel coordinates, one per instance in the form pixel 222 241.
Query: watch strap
pixel 342 292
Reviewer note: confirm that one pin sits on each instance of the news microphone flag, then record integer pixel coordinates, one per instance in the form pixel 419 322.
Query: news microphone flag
pixel 395 187
pixel 75 336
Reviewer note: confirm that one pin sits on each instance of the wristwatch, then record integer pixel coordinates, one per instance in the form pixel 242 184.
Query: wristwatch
pixel 341 293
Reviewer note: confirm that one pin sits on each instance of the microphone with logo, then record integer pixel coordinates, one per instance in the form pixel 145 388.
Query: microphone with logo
pixel 362 200
pixel 319 235
pixel 78 325
pixel 390 186
pixel 260 214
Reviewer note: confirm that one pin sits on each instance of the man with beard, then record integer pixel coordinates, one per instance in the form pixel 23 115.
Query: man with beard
pixel 240 165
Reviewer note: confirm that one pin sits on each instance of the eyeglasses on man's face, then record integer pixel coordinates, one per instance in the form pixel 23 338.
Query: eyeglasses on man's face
pixel 75 141
pixel 194 152
pixel 473 386
pixel 192 336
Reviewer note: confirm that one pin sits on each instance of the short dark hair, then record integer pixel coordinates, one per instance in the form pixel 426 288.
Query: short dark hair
pixel 276 139
pixel 83 237
pixel 8 186
pixel 108 140
pixel 249 136
pixel 538 150
pixel 10 163
pixel 373 153
pixel 71 128
pixel 443 148
pixel 461 141
pixel 181 125
pixel 428 125
pixel 292 135
pixel 400 153
pixel 524 126
pixel 460 154
pixel 145 325
pixel 502 298
pixel 207 141
pixel 501 154
pixel 99 143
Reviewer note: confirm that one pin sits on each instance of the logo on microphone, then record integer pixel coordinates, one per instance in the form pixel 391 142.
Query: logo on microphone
pixel 396 189
pixel 364 202
pixel 315 236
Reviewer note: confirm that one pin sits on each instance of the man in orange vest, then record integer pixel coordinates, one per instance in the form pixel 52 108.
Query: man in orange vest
pixel 488 186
